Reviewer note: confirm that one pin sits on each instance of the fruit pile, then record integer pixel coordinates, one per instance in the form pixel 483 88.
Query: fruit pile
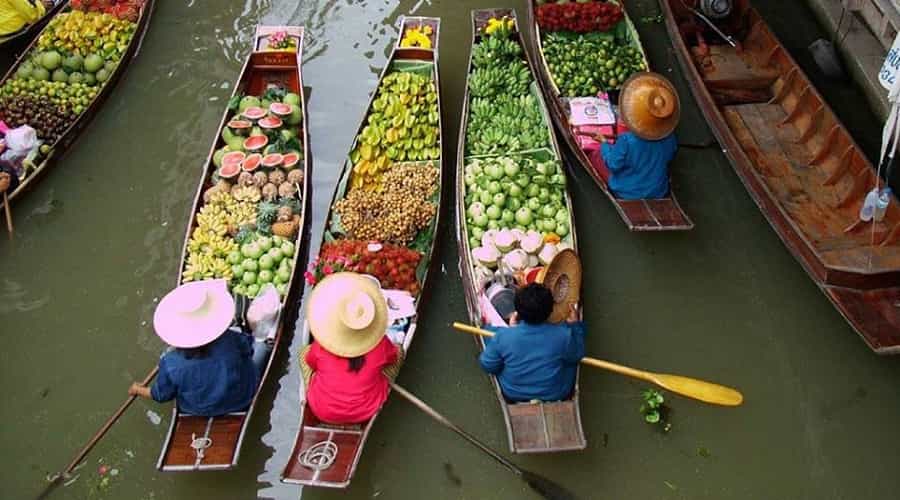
pixel 522 193
pixel 398 213
pixel 582 65
pixel 253 201
pixel 581 16
pixel 121 9
pixel 74 56
pixel 403 126
pixel 419 36
pixel 394 266
pixel 262 260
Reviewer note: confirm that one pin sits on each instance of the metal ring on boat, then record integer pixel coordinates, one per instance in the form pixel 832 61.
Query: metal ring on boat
pixel 319 456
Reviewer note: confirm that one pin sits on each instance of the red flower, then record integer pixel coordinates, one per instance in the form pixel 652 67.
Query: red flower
pixel 327 269
pixel 310 278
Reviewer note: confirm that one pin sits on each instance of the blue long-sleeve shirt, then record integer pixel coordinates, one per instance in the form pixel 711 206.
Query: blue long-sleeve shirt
pixel 222 381
pixel 639 168
pixel 535 361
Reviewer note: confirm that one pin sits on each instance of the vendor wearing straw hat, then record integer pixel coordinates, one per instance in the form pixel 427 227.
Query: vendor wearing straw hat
pixel 536 357
pixel 213 369
pixel 637 165
pixel 348 318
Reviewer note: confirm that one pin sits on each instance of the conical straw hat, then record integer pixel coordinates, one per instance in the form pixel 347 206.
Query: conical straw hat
pixel 649 105
pixel 194 314
pixel 563 277
pixel 347 314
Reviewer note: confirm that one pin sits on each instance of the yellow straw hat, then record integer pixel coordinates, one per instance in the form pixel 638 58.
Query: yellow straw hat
pixel 563 277
pixel 649 105
pixel 347 314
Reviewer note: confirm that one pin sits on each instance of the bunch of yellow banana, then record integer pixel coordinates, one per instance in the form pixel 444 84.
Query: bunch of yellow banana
pixel 202 266
pixel 208 243
pixel 236 213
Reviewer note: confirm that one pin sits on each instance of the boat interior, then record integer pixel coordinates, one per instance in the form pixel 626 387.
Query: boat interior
pixel 807 161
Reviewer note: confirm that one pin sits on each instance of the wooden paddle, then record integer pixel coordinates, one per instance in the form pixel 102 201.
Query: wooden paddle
pixel 9 224
pixel 56 479
pixel 542 486
pixel 707 392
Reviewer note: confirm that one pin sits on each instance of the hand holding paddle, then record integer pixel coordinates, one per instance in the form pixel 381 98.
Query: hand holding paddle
pixel 700 390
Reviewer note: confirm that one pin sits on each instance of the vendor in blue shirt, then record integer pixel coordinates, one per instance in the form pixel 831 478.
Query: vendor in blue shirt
pixel 533 359
pixel 213 369
pixel 637 165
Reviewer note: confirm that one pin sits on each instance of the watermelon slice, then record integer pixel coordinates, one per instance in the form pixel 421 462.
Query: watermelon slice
pixel 256 142
pixel 234 157
pixel 251 162
pixel 272 160
pixel 239 126
pixel 270 122
pixel 254 113
pixel 290 160
pixel 229 170
pixel 280 109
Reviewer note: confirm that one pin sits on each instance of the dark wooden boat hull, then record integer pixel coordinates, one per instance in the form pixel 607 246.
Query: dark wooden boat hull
pixel 664 214
pixel 33 28
pixel 351 439
pixel 530 427
pixel 68 138
pixel 228 432
pixel 801 167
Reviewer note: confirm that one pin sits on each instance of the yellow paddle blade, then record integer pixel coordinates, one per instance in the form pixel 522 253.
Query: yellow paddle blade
pixel 707 392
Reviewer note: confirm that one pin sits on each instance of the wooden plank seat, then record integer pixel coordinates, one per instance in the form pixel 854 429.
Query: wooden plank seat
pixel 543 427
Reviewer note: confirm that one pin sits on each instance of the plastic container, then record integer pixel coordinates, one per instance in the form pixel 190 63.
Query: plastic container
pixel 867 211
pixel 881 206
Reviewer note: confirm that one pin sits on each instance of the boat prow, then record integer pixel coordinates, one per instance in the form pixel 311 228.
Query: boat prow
pixel 197 443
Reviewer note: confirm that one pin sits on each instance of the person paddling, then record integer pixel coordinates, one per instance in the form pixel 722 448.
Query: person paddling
pixel 342 369
pixel 536 357
pixel 212 369
pixel 637 165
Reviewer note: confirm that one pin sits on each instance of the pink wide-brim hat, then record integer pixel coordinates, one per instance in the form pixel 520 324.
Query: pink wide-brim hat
pixel 194 314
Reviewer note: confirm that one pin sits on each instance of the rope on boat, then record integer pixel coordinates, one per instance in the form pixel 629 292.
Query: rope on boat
pixel 200 445
pixel 319 456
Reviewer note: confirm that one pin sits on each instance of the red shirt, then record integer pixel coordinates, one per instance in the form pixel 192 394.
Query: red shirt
pixel 340 396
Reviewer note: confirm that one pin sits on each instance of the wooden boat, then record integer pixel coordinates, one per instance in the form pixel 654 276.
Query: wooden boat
pixel 531 427
pixel 31 29
pixel 67 138
pixel 664 214
pixel 224 435
pixel 349 440
pixel 798 162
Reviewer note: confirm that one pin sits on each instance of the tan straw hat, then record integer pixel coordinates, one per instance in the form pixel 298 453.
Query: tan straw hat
pixel 563 277
pixel 649 105
pixel 347 314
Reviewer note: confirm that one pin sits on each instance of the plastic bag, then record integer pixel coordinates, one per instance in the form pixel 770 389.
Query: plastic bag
pixel 19 142
pixel 263 313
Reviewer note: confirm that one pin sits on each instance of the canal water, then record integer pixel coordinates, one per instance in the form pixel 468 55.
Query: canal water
pixel 98 242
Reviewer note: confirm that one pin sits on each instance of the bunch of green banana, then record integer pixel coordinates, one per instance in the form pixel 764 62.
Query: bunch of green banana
pixel 505 124
pixel 494 50
pixel 511 78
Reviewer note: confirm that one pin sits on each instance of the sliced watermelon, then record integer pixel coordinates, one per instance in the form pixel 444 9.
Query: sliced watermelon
pixel 229 170
pixel 251 162
pixel 272 160
pixel 254 113
pixel 270 122
pixel 256 142
pixel 234 157
pixel 240 126
pixel 280 109
pixel 290 160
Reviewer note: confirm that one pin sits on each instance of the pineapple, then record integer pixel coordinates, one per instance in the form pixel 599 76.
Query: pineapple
pixel 267 215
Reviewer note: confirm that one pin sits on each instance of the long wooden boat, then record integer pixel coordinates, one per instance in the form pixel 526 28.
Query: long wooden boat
pixel 30 29
pixel 798 162
pixel 535 427
pixel 349 440
pixel 664 214
pixel 54 151
pixel 224 435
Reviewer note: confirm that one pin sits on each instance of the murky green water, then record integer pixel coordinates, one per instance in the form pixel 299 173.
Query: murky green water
pixel 99 240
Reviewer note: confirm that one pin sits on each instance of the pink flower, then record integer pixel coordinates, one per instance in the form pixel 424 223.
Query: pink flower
pixel 310 278
pixel 327 269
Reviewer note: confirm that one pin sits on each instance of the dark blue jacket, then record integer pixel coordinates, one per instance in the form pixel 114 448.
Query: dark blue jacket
pixel 535 361
pixel 222 381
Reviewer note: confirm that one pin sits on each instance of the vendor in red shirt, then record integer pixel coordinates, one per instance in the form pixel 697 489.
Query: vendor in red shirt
pixel 347 316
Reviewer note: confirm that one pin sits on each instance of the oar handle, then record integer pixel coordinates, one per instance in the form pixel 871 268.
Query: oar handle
pixel 9 221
